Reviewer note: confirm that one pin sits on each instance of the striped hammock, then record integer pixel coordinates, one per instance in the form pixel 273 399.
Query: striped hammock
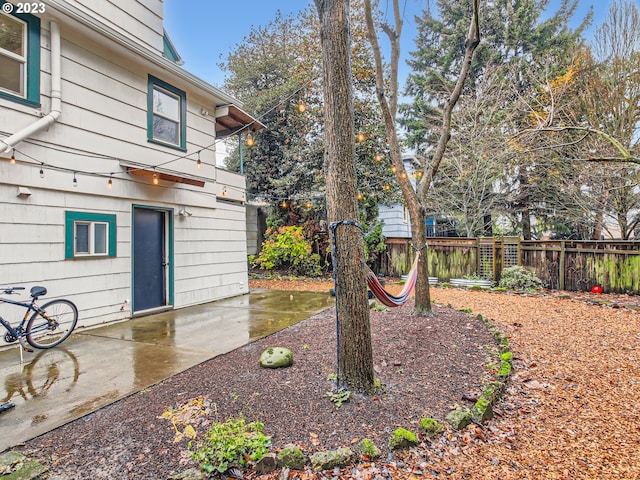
pixel 392 300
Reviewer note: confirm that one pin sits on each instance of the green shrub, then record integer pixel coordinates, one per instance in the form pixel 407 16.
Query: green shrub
pixel 368 448
pixel 287 248
pixel 231 444
pixel 519 278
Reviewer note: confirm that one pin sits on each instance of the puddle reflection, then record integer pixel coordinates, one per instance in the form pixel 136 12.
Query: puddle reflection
pixel 51 371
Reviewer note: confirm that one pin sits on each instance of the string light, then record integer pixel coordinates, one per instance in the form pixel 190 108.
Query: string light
pixel 250 140
pixel 154 178
pixel 360 196
pixel 13 158
pixel 394 169
pixel 110 182
pixel 284 204
pixel 309 205
pixel 42 170
pixel 302 107
pixel 75 180
pixel 224 192
pixel 360 137
pixel 378 157
pixel 198 162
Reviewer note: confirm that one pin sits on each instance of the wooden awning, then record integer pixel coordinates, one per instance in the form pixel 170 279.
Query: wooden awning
pixel 231 120
pixel 148 172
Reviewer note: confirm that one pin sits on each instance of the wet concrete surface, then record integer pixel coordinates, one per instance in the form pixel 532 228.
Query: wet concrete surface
pixel 96 367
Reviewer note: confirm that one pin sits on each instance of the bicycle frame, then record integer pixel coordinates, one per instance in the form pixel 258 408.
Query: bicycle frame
pixel 18 332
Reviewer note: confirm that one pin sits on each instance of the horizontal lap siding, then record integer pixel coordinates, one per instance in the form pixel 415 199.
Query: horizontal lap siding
pixel 140 20
pixel 104 114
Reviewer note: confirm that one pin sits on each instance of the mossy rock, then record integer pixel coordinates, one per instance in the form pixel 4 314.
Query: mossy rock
pixel 482 410
pixel 19 467
pixel 431 426
pixel 276 357
pixel 292 457
pixel 333 458
pixel 459 417
pixel 402 438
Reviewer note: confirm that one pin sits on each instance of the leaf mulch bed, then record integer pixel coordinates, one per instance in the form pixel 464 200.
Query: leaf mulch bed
pixel 570 411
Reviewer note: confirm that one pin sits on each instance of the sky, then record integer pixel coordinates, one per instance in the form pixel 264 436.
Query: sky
pixel 205 31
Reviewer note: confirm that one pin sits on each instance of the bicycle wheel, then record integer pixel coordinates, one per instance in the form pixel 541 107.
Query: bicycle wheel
pixel 54 326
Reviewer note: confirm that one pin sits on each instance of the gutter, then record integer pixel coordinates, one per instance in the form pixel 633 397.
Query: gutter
pixel 8 143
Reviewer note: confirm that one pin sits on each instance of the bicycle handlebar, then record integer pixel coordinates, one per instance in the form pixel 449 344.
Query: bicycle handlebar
pixel 10 290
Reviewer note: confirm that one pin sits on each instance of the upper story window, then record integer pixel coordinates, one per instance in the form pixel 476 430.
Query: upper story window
pixel 20 57
pixel 166 116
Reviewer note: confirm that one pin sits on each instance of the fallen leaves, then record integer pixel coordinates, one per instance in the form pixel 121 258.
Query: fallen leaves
pixel 188 414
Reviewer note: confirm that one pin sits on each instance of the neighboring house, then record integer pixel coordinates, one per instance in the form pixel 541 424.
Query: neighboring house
pixel 109 190
pixel 396 223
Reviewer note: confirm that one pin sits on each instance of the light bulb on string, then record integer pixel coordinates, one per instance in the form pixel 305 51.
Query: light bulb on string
pixel 75 180
pixel 394 169
pixel 250 140
pixel 360 137
pixel 302 107
pixel 198 162
pixel 378 157
pixel 12 161
pixel 360 196
pixel 42 170
pixel 154 178
pixel 110 182
pixel 309 205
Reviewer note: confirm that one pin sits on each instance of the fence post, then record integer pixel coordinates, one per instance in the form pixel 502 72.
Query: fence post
pixel 477 255
pixel 561 265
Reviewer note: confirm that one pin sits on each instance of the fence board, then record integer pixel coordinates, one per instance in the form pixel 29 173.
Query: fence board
pixel 574 265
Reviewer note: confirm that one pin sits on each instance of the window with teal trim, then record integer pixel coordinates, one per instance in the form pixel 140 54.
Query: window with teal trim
pixel 19 57
pixel 166 114
pixel 90 235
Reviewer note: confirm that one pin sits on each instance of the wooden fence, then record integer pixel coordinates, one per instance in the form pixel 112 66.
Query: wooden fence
pixel 574 265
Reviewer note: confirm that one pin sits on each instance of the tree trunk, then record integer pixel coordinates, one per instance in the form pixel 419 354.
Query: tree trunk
pixel 355 357
pixel 419 239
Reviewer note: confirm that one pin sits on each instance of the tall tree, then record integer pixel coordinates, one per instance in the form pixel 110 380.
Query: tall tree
pixel 513 35
pixel 387 94
pixel 276 72
pixel 355 362
pixel 591 114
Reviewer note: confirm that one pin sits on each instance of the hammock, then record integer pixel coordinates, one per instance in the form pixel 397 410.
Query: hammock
pixel 392 300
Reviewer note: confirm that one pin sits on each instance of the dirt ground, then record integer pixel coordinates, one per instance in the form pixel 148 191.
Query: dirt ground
pixel 570 410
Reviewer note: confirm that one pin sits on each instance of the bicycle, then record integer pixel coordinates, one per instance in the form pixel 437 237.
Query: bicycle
pixel 48 325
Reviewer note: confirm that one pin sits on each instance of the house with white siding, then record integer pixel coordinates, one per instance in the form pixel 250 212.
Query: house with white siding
pixel 109 190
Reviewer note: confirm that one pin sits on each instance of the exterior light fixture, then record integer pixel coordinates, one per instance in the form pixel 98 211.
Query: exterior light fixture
pixel 250 140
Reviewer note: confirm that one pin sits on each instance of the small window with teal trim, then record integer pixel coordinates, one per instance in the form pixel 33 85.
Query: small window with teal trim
pixel 90 235
pixel 19 56
pixel 166 115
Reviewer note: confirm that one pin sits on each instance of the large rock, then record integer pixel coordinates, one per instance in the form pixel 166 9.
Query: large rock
pixel 276 357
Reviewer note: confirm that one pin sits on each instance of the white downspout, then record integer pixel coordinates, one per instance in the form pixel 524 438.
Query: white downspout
pixel 8 143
